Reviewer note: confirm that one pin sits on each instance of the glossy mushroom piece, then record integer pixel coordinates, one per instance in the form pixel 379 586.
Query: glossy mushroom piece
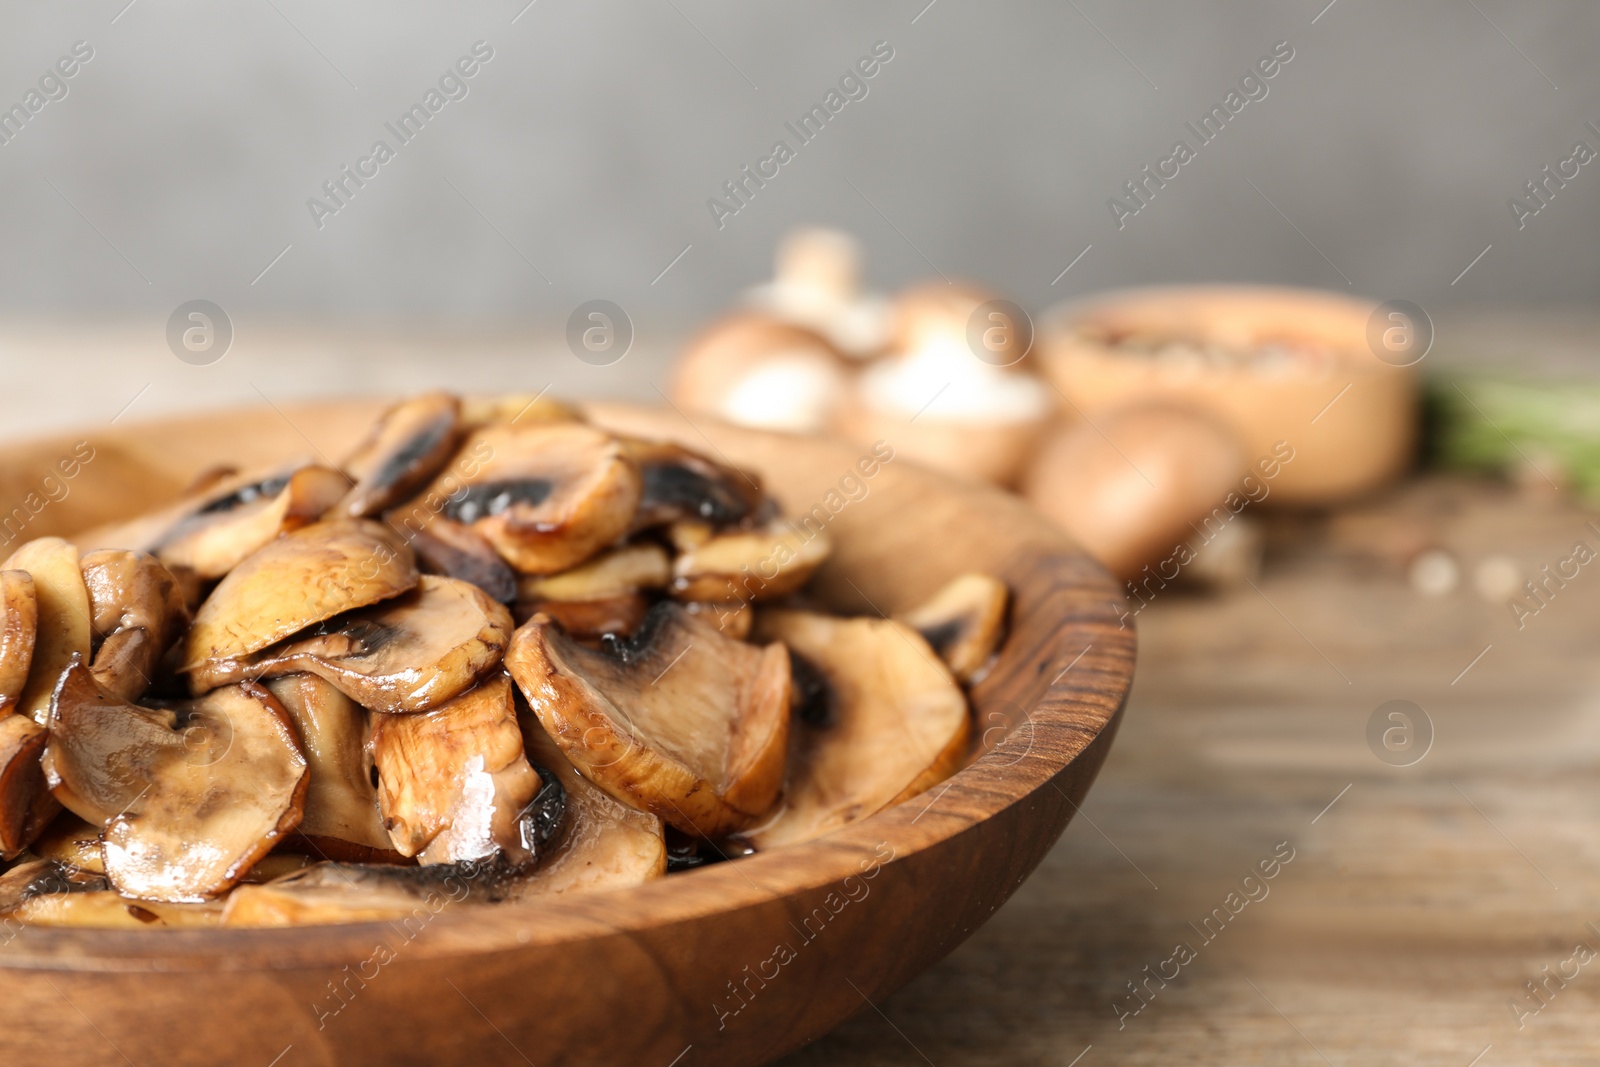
pixel 963 622
pixel 892 723
pixel 62 618
pixel 679 720
pixel 26 806
pixel 341 810
pixel 407 654
pixel 738 566
pixel 137 610
pixel 546 495
pixel 188 797
pixel 410 442
pixel 19 624
pixel 604 595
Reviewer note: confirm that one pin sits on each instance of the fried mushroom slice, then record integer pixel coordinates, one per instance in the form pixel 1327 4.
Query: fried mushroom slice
pixel 679 720
pixel 546 495
pixel 604 595
pixel 603 845
pixel 454 782
pixel 26 806
pixel 407 654
pixel 136 611
pixel 327 893
pixel 520 408
pixel 679 484
pixel 297 581
pixel 896 725
pixel 18 625
pixel 457 551
pixel 211 531
pixel 71 842
pixel 62 611
pixel 963 622
pixel 189 797
pixel 405 449
pixel 34 876
pixel 743 565
pixel 341 799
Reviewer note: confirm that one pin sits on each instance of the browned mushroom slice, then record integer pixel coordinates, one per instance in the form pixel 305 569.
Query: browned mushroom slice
pixel 679 484
pixel 759 564
pixel 341 800
pixel 453 782
pixel 963 622
pixel 136 611
pixel 212 531
pixel 679 720
pixel 589 619
pixel 18 625
pixel 524 409
pixel 189 797
pixel 63 631
pixel 457 551
pixel 407 654
pixel 34 877
pixel 327 893
pixel 604 844
pixel 546 495
pixel 731 618
pixel 26 806
pixel 601 596
pixel 71 842
pixel 297 581
pixel 108 910
pixel 406 448
pixel 895 723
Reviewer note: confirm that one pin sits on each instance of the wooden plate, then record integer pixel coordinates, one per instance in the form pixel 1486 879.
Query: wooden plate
pixel 732 964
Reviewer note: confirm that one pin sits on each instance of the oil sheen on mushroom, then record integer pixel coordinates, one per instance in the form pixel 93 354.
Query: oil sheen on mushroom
pixel 963 621
pixel 407 654
pixel 546 495
pixel 188 797
pixel 679 720
pixel 453 783
pixel 897 724
pixel 410 442
pixel 18 626
pixel 341 801
pixel 137 611
pixel 295 582
pixel 63 618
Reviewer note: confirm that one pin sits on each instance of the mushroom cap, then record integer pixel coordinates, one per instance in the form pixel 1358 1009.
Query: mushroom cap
pixel 760 564
pixel 1128 486
pixel 457 551
pixel 341 801
pixel 752 369
pixel 679 721
pixel 897 723
pixel 963 621
pixel 137 611
pixel 546 495
pixel 407 654
pixel 405 449
pixel 298 581
pixel 26 806
pixel 937 314
pixel 679 485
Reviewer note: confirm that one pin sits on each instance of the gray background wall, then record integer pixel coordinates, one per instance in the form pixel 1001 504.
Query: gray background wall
pixel 588 147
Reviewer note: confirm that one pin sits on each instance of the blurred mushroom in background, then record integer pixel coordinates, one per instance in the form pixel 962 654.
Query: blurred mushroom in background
pixel 955 391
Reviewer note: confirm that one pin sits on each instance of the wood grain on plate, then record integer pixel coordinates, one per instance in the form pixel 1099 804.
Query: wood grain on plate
pixel 733 964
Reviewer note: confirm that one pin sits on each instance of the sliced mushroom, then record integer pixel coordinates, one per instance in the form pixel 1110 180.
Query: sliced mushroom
pixel 589 619
pixel 71 842
pixel 212 531
pixel 546 495
pixel 26 806
pixel 63 629
pixel 457 551
pixel 679 484
pixel 732 618
pixel 188 797
pixel 679 720
pixel 341 800
pixel 760 564
pixel 327 893
pixel 601 596
pixel 297 581
pixel 19 622
pixel 896 724
pixel 407 654
pixel 105 909
pixel 963 622
pixel 410 442
pixel 454 782
pixel 604 845
pixel 34 877
pixel 136 610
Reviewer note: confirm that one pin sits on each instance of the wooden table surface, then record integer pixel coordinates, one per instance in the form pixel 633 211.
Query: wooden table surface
pixel 1419 899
